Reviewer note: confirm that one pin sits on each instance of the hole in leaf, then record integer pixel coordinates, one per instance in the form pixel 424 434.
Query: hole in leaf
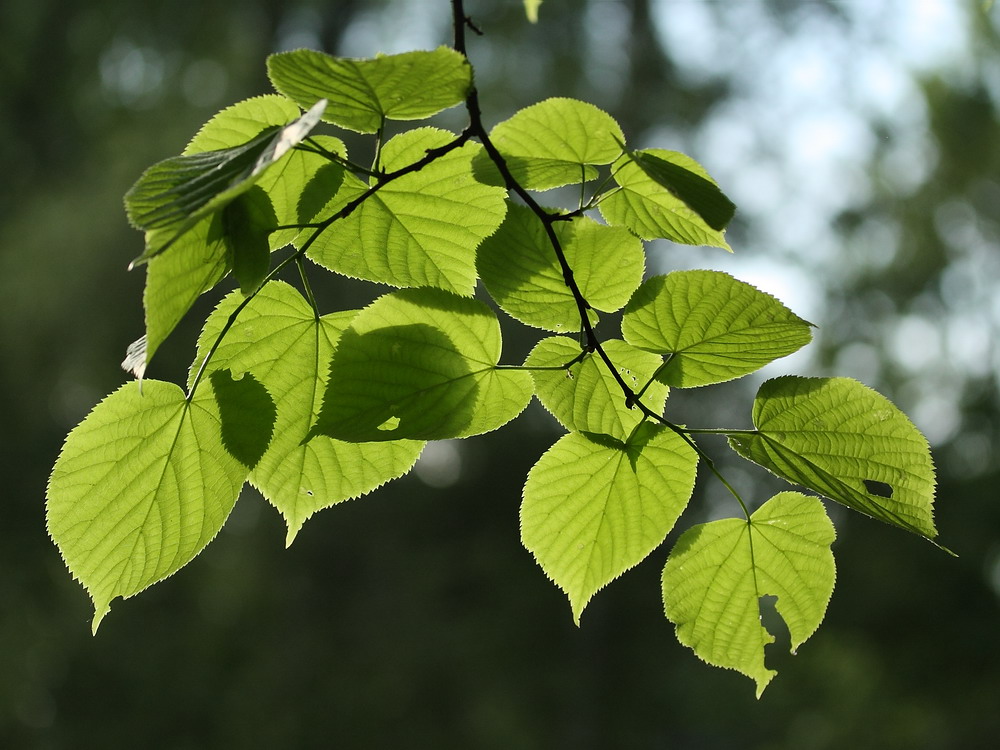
pixel 390 424
pixel 880 489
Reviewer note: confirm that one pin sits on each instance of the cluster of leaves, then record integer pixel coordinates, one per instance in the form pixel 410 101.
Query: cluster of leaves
pixel 313 407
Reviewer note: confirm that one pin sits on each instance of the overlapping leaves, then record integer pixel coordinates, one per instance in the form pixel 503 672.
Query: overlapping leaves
pixel 419 230
pixel 519 267
pixel 316 409
pixel 420 364
pixel 281 343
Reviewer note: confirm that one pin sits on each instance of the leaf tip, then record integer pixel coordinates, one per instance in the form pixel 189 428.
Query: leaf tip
pixel 100 610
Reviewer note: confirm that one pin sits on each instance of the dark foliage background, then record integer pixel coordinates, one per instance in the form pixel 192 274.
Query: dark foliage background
pixel 861 141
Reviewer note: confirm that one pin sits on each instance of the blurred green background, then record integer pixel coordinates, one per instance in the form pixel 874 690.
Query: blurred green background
pixel 861 142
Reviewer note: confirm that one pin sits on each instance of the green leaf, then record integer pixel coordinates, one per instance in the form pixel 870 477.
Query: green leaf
pixel 304 180
pixel 519 267
pixel 247 223
pixel 172 196
pixel 585 397
pixel 531 9
pixel 139 489
pixel 420 364
pixel 595 507
pixel 553 143
pixel 847 442
pixel 698 193
pixel 421 229
pixel 365 93
pixel 711 326
pixel 279 341
pixel 650 210
pixel 175 280
pixel 717 572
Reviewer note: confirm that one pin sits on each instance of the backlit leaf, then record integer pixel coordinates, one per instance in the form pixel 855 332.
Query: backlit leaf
pixel 711 326
pixel 172 196
pixel 420 364
pixel 140 487
pixel 717 572
pixel 699 193
pixel 279 341
pixel 585 397
pixel 651 210
pixel 553 143
pixel 421 229
pixel 365 93
pixel 595 507
pixel 519 267
pixel 847 442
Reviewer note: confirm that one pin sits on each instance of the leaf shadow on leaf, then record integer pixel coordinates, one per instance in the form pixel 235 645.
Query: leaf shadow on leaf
pixel 486 172
pixel 319 191
pixel 247 413
pixel 397 382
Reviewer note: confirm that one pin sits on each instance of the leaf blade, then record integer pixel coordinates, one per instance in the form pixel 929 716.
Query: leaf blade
pixel 592 510
pixel 712 326
pixel 717 572
pixel 833 434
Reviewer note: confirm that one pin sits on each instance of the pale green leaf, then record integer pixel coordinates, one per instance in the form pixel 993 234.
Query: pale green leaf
pixel 711 326
pixel 278 340
pixel 585 397
pixel 531 10
pixel 363 94
pixel 592 510
pixel 421 229
pixel 140 487
pixel 847 442
pixel 650 210
pixel 553 143
pixel 420 364
pixel 717 572
pixel 519 267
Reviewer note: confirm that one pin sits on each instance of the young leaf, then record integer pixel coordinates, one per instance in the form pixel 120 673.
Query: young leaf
pixel 519 267
pixel 651 210
pixel 847 442
pixel 141 486
pixel 584 397
pixel 595 507
pixel 172 196
pixel 717 572
pixel 711 326
pixel 302 183
pixel 279 341
pixel 420 364
pixel 553 143
pixel 363 94
pixel 421 229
